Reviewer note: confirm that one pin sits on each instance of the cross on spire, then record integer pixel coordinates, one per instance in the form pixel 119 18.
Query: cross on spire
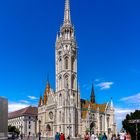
pixel 67 17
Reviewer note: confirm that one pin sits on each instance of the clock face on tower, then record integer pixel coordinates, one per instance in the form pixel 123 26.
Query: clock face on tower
pixel 51 115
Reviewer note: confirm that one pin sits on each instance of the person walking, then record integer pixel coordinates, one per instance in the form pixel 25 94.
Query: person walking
pixel 100 136
pixel 113 137
pixel 128 136
pixel 57 136
pixel 62 136
pixel 96 137
pixel 118 137
pixel 92 136
pixel 87 137
pixel 104 137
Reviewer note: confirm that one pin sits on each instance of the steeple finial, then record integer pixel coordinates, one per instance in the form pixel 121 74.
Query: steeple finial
pixel 92 97
pixel 48 85
pixel 67 17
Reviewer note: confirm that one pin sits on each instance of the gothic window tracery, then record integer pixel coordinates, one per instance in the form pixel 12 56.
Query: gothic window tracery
pixel 72 63
pixel 73 82
pixel 60 116
pixel 60 99
pixel 107 122
pixel 66 62
pixel 60 64
pixel 60 83
pixel 100 123
pixel 66 81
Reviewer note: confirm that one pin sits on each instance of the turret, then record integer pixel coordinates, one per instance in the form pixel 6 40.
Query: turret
pixel 92 97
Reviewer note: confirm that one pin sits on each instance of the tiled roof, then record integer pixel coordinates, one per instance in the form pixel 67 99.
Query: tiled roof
pixel 32 111
pixel 92 107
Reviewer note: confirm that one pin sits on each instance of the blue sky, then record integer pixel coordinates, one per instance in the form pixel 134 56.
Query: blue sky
pixel 108 36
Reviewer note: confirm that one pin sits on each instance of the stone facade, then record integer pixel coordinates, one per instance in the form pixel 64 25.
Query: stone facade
pixel 25 120
pixel 3 118
pixel 63 110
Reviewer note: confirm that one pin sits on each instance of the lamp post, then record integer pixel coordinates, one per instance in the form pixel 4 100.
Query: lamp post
pixel 39 129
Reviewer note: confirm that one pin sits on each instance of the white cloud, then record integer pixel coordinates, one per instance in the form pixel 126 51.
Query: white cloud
pixel 32 97
pixel 132 99
pixel 120 114
pixel 105 85
pixel 24 101
pixel 16 106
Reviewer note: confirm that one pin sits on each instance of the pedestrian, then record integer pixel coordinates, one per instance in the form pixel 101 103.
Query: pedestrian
pixel 113 137
pixel 86 137
pixel 92 136
pixel 62 136
pixel 57 136
pixel 68 137
pixel 100 136
pixel 96 137
pixel 118 137
pixel 128 136
pixel 21 136
pixel 122 135
pixel 104 137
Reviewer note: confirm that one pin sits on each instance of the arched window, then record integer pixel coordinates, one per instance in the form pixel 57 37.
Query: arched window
pixel 66 63
pixel 60 116
pixel 101 123
pixel 107 122
pixel 60 64
pixel 73 82
pixel 60 83
pixel 72 63
pixel 60 99
pixel 66 81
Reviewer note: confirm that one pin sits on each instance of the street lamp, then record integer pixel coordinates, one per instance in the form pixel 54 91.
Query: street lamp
pixel 39 129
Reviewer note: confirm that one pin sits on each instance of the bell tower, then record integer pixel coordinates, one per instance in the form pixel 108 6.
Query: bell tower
pixel 68 110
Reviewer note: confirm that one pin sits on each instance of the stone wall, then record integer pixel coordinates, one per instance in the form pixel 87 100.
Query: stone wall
pixel 3 118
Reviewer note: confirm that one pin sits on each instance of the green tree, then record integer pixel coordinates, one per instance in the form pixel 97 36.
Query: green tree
pixel 131 128
pixel 13 129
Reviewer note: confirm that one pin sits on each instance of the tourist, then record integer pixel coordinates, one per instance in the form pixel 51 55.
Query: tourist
pixel 104 137
pixel 113 137
pixel 128 136
pixel 100 136
pixel 86 137
pixel 96 137
pixel 92 136
pixel 62 136
pixel 122 135
pixel 57 136
pixel 68 137
pixel 118 137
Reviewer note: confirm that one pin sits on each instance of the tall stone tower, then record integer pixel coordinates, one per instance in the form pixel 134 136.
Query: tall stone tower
pixel 68 110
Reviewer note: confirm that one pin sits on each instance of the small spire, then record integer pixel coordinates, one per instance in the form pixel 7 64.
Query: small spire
pixel 48 85
pixel 45 98
pixel 67 17
pixel 92 97
pixel 40 101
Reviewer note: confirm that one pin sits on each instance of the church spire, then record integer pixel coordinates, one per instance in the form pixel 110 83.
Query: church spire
pixel 67 17
pixel 92 97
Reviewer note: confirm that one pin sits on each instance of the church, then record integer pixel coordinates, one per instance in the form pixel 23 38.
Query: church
pixel 63 110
